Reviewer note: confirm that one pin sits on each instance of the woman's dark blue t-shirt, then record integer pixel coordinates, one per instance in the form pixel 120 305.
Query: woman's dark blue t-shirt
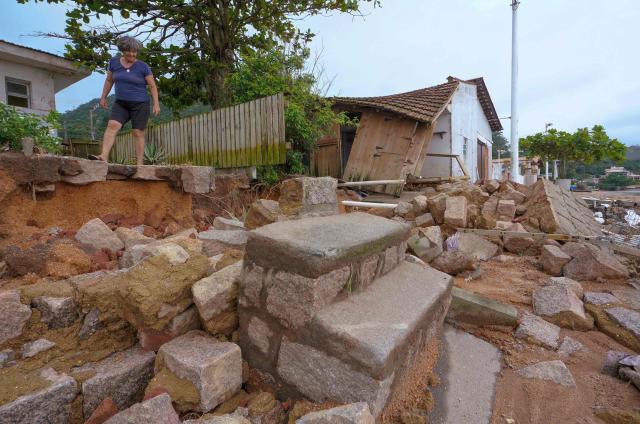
pixel 130 82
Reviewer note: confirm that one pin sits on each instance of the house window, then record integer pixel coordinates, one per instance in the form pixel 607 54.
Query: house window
pixel 18 93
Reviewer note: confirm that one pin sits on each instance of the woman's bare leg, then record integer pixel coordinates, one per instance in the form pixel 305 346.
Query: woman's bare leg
pixel 109 138
pixel 138 138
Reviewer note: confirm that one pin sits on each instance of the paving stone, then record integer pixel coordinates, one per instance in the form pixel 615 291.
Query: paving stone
pixel 612 415
pixel 214 368
pixel 592 263
pixel 259 334
pixel 308 195
pixel 174 253
pixel 184 322
pixel 520 244
pixel 420 204
pixel 123 376
pixel 370 327
pixel 263 212
pixel 425 220
pixel 537 331
pixel 454 263
pixel 31 349
pixel 13 315
pixel 561 306
pixel 354 413
pixel 427 245
pixel 92 171
pixel 475 309
pixel 222 419
pixel 437 206
pixel 507 192
pixel 131 237
pixel 217 241
pixel 469 369
pixel 555 371
pixel 293 299
pixel 596 298
pixel 90 324
pixel 572 285
pixel 217 292
pixel 157 410
pixel 569 346
pixel 629 374
pixel 95 235
pixel 251 283
pixel 220 223
pixel 197 179
pixel 455 214
pixel 320 377
pixel 491 186
pixel 612 362
pixel 56 312
pixel 404 209
pixel 49 405
pixel 553 259
pixel 628 295
pixel 627 319
pixel 312 247
pixel 545 203
pixel 476 247
pixel 506 209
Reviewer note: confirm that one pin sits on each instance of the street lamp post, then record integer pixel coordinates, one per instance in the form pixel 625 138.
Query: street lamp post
pixel 515 160
pixel 546 162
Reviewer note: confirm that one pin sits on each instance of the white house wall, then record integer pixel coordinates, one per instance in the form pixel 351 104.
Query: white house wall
pixel 42 91
pixel 468 121
pixel 440 143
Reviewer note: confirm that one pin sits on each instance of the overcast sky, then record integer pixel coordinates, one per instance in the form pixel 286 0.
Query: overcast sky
pixel 579 59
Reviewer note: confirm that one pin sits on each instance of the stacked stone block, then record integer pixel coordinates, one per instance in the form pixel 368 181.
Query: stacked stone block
pixel 329 308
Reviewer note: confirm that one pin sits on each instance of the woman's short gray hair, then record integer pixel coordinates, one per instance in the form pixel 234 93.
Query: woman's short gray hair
pixel 128 44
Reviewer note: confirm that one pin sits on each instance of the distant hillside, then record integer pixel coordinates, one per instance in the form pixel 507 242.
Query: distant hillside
pixel 76 122
pixel 633 152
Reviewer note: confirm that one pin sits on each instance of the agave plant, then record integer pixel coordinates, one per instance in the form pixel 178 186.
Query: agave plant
pixel 154 155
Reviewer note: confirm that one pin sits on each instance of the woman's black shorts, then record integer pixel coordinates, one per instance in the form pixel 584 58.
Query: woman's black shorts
pixel 124 111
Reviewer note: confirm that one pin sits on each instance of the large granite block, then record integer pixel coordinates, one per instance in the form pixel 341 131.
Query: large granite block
pixel 312 247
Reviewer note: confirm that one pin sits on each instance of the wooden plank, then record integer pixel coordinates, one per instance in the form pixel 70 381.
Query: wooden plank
pixel 282 139
pixel 258 135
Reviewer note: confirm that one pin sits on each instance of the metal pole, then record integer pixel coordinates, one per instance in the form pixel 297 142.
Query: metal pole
pixel 515 162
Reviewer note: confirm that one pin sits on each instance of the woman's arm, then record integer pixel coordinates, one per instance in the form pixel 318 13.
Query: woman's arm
pixel 108 83
pixel 154 93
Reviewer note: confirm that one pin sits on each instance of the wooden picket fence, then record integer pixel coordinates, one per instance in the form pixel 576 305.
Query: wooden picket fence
pixel 248 134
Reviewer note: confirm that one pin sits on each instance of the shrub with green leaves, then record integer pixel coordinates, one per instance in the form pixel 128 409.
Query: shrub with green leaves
pixel 16 125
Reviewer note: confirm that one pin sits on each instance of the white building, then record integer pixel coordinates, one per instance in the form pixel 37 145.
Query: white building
pixel 421 133
pixel 620 170
pixel 30 78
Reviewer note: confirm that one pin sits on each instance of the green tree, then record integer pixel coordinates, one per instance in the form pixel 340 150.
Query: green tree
pixel 501 143
pixel 308 114
pixel 16 125
pixel 615 181
pixel 584 146
pixel 192 46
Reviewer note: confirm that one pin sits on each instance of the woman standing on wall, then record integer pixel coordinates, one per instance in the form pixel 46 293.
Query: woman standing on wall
pixel 131 78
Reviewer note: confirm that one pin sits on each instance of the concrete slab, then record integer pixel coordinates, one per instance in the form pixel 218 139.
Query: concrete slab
pixel 315 246
pixel 372 328
pixel 468 368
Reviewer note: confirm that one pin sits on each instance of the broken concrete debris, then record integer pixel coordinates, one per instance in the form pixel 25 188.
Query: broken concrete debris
pixel 555 371
pixel 474 309
pixel 535 330
pixel 560 305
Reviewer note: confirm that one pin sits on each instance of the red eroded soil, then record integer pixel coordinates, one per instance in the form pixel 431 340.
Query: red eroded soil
pixel 71 206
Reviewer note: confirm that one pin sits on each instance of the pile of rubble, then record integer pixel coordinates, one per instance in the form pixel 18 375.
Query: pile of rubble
pixel 299 313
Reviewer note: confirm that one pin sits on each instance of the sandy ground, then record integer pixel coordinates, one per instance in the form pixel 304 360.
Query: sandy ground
pixel 534 401
pixel 613 195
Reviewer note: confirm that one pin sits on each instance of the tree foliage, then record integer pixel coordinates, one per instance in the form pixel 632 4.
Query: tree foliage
pixel 16 125
pixel 192 46
pixel 585 146
pixel 614 181
pixel 501 143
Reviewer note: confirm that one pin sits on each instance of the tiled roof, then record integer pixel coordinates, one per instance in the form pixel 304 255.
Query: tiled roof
pixel 422 105
pixel 425 105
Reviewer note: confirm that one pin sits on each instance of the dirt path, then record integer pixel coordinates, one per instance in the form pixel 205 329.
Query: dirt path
pixel 534 401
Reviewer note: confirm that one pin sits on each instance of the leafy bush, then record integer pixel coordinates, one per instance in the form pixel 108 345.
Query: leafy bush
pixel 154 155
pixel 268 175
pixel 615 181
pixel 15 125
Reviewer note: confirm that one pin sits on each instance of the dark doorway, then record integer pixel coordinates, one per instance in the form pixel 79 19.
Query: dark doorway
pixel 347 136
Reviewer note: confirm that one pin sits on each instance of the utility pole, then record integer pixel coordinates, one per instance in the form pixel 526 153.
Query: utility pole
pixel 546 162
pixel 515 143
pixel 93 133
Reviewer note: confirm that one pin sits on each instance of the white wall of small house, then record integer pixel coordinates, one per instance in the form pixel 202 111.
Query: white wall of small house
pixel 440 143
pixel 41 85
